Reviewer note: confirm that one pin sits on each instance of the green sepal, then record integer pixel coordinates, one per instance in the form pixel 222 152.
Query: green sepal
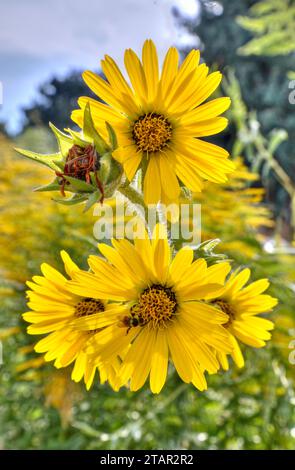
pixel 112 136
pixel 206 250
pixel 49 160
pixel 91 133
pixel 76 199
pixel 77 138
pixel 64 141
pixel 93 179
pixel 80 185
pixel 92 199
pixel 61 166
pixel 115 171
pixel 104 170
pixel 53 186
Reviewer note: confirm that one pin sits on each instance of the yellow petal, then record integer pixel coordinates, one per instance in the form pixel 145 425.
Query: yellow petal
pixel 204 128
pixel 151 68
pixel 53 275
pixel 236 282
pixel 152 182
pixel 182 260
pixel 136 74
pixel 143 361
pixel 159 363
pixel 210 84
pixel 206 111
pixel 255 288
pixel 162 252
pixel 247 338
pixel 70 266
pixel 237 353
pixel 79 367
pixel 169 182
pixel 179 357
pixel 169 71
pixel 186 172
pixel 130 159
pixel 115 77
pixel 218 272
pixel 102 89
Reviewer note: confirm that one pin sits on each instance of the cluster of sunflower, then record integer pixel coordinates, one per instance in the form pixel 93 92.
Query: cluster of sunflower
pixel 143 303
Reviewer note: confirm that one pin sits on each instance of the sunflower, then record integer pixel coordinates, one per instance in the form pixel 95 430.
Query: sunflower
pixel 242 305
pixel 159 120
pixel 164 316
pixel 54 313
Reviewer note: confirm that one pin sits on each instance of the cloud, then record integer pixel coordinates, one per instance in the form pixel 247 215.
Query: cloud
pixel 39 39
pixel 84 29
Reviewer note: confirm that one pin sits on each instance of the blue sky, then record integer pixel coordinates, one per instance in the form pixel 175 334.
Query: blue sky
pixel 41 38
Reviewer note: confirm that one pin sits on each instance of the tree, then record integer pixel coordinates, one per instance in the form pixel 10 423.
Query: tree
pixel 272 24
pixel 263 79
pixel 3 129
pixel 58 97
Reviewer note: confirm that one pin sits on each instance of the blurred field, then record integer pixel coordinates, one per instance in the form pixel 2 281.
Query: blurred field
pixel 253 408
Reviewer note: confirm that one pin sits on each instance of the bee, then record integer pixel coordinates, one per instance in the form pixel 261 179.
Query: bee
pixel 79 163
pixel 129 322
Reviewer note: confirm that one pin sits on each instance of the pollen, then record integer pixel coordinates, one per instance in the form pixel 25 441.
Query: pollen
pixel 152 132
pixel 88 306
pixel 156 306
pixel 226 308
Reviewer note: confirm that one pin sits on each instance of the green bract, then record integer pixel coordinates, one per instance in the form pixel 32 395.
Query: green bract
pixel 103 174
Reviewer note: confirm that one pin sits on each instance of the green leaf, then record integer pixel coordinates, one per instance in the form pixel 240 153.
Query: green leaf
pixel 48 160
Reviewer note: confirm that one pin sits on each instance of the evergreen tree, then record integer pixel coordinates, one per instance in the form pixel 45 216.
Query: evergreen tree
pixel 272 24
pixel 263 79
pixel 57 99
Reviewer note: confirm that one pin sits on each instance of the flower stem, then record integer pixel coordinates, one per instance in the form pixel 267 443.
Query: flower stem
pixel 134 197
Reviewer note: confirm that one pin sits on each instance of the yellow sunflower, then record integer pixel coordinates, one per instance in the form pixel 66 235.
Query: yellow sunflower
pixel 242 305
pixel 164 316
pixel 54 311
pixel 159 120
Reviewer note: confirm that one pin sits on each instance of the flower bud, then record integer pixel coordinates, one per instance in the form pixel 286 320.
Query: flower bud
pixel 83 166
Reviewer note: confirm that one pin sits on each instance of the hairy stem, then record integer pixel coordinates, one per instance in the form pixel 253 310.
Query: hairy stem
pixel 134 197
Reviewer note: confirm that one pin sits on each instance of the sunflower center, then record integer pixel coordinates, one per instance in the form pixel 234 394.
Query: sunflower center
pixel 88 306
pixel 226 308
pixel 151 132
pixel 156 306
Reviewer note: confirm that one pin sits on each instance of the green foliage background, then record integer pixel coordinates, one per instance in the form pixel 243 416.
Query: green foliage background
pixel 252 408
pixel 228 35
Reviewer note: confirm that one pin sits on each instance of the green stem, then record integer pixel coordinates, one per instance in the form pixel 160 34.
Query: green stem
pixel 281 175
pixel 134 197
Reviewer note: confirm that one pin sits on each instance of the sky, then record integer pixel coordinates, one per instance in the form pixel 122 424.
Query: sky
pixel 44 38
